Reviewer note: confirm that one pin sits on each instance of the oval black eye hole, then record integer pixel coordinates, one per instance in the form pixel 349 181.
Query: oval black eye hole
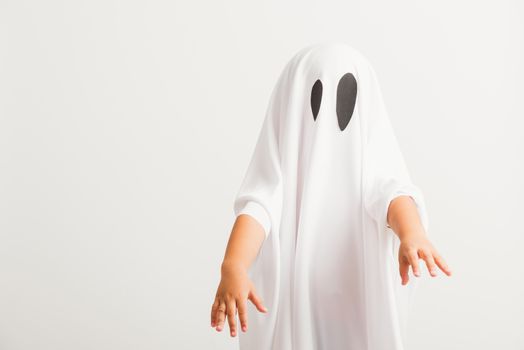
pixel 316 98
pixel 346 98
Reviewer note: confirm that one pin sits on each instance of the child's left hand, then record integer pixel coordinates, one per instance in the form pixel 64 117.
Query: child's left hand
pixel 415 246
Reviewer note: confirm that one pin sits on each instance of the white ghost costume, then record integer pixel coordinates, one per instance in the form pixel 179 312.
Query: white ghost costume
pixel 324 170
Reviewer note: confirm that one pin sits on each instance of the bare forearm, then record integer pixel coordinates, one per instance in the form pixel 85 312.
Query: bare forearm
pixel 244 243
pixel 403 217
pixel 235 287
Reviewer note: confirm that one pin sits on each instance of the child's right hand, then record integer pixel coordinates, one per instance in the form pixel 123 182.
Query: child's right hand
pixel 234 290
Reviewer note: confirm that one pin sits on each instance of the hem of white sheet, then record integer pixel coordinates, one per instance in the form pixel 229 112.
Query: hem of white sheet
pixel 259 213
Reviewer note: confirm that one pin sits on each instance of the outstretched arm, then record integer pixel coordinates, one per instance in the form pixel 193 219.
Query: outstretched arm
pixel 235 288
pixel 404 219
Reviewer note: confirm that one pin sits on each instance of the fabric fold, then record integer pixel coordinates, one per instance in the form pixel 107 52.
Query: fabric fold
pixel 260 193
pixel 385 173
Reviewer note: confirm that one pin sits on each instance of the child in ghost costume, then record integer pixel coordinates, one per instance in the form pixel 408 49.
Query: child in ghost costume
pixel 315 244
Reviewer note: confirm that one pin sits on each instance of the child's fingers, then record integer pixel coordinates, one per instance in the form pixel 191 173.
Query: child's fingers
pixel 242 314
pixel 413 261
pixel 442 264
pixel 430 262
pixel 214 309
pixel 231 312
pixel 255 299
pixel 221 315
pixel 404 268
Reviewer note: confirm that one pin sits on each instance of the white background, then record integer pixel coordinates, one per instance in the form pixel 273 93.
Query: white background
pixel 126 128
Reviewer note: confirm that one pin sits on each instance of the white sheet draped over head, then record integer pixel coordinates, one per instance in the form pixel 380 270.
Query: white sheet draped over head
pixel 325 167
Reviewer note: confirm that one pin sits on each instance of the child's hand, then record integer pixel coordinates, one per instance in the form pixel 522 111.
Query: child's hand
pixel 234 290
pixel 415 246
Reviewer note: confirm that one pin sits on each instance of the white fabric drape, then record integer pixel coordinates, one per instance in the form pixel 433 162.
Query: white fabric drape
pixel 327 270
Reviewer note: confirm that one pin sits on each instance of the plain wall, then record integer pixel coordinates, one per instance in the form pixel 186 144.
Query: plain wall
pixel 127 126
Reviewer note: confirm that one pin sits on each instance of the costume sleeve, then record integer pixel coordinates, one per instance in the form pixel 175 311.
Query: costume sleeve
pixel 385 175
pixel 260 194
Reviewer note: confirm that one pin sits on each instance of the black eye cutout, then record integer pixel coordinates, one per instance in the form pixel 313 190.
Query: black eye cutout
pixel 346 98
pixel 316 98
